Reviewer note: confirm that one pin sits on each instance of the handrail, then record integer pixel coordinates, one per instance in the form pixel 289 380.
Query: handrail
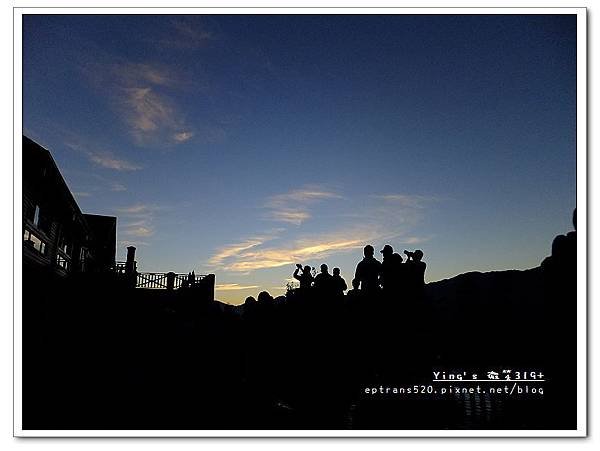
pixel 159 279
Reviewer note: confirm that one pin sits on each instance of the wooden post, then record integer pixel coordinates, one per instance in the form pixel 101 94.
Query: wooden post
pixel 209 281
pixel 131 268
pixel 130 265
pixel 170 280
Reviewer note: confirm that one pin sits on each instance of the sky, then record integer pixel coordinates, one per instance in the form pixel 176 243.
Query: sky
pixel 241 145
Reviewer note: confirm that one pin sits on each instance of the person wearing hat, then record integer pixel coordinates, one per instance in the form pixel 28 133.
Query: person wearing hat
pixel 368 271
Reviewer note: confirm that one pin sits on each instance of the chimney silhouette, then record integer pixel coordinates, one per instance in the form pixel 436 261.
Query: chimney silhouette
pixel 130 265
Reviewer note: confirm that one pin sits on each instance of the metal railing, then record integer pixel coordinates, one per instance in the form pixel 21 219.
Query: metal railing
pixel 151 280
pixel 160 280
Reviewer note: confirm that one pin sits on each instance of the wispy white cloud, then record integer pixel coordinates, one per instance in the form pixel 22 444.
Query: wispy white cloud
pixel 137 220
pixel 144 96
pixel 152 115
pixel 305 195
pixel 407 200
pixel 87 183
pixel 139 231
pixel 126 243
pixel 233 287
pixel 294 207
pixel 146 110
pixel 183 136
pixel 233 250
pixel 136 209
pixel 186 34
pixel 413 240
pixel 296 217
pixel 117 187
pixel 384 219
pixel 103 158
pixel 254 255
pixel 132 74
pixel 108 161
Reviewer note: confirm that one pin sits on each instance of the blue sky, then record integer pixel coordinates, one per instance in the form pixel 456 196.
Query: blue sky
pixel 240 145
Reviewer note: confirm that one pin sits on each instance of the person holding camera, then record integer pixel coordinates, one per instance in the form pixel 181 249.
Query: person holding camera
pixel 306 279
pixel 415 271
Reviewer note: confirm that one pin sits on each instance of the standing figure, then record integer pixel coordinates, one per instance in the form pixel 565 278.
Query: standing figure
pixel 323 279
pixel 338 284
pixel 389 272
pixel 306 279
pixel 415 272
pixel 368 271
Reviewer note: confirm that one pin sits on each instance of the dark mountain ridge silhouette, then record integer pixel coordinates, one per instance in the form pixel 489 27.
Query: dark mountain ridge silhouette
pixel 488 289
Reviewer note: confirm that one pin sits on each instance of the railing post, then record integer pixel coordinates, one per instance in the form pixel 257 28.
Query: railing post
pixel 209 281
pixel 130 265
pixel 170 280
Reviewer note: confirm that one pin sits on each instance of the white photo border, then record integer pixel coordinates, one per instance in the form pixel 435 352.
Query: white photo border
pixel 582 203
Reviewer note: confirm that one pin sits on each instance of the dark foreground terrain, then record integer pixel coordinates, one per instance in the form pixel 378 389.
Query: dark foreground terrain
pixel 97 355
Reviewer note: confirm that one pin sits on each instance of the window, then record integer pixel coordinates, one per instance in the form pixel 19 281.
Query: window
pixel 36 215
pixel 65 246
pixel 34 242
pixel 83 258
pixel 62 262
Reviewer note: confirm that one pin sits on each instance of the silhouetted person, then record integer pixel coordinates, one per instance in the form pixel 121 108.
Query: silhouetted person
pixel 353 295
pixel 265 298
pixel 415 273
pixel 563 259
pixel 560 268
pixel 390 269
pixel 264 306
pixel 306 279
pixel 249 308
pixel 249 301
pixel 323 279
pixel 397 258
pixel 338 284
pixel 368 270
pixel 279 300
pixel 559 272
pixel 354 291
pixel 399 275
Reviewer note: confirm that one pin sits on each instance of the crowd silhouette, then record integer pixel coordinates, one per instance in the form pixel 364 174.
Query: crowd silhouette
pixel 390 277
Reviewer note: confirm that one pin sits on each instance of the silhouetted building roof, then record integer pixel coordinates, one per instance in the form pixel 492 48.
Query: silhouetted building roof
pixel 56 234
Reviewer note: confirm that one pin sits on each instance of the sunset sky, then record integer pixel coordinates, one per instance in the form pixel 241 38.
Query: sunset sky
pixel 241 145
